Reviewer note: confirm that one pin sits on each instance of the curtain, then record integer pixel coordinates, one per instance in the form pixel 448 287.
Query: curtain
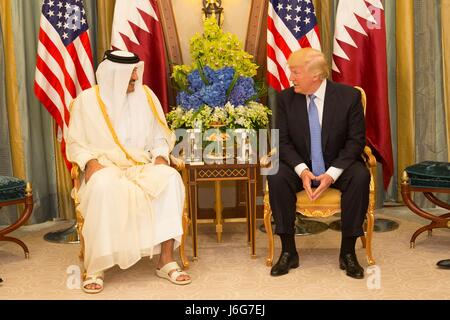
pixel 105 14
pixel 7 213
pixel 430 124
pixel 445 42
pixel 35 122
pixel 325 11
pixel 5 154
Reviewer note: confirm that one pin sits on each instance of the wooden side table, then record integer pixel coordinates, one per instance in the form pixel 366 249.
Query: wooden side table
pixel 437 221
pixel 9 195
pixel 217 173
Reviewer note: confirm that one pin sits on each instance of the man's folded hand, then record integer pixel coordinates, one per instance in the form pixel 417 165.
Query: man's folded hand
pixel 307 176
pixel 91 167
pixel 161 160
pixel 325 181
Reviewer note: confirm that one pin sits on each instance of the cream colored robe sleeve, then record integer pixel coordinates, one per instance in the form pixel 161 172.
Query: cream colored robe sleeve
pixel 164 138
pixel 78 150
pixel 160 146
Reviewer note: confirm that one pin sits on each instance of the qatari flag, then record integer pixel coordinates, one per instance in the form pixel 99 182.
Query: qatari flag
pixel 137 28
pixel 359 59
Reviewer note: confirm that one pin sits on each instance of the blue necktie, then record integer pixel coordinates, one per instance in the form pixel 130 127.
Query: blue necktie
pixel 318 165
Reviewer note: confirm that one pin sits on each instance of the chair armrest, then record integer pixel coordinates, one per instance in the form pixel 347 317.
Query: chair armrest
pixel 75 175
pixel 176 163
pixel 369 158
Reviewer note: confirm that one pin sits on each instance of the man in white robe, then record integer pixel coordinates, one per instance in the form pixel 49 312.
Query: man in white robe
pixel 130 198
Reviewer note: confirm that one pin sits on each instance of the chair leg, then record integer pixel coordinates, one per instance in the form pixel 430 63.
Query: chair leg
pixel 369 231
pixel 184 260
pixel 79 226
pixel 268 226
pixel 19 242
pixel 186 222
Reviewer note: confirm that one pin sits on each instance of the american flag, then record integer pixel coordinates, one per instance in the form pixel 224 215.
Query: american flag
pixel 64 64
pixel 291 25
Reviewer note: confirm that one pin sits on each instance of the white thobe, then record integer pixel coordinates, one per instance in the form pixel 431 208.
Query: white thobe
pixel 128 209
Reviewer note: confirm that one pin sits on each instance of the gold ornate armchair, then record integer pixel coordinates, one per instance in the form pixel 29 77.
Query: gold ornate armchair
pixel 328 204
pixel 77 178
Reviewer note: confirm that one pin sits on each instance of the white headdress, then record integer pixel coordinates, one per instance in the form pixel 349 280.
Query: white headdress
pixel 113 77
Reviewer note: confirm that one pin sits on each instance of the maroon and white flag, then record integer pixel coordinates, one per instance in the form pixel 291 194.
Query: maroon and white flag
pixel 137 28
pixel 359 59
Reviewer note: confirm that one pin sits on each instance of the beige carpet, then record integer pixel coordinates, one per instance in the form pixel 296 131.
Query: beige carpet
pixel 225 270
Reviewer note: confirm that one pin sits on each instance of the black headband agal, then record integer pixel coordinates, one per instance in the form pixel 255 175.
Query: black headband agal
pixel 121 56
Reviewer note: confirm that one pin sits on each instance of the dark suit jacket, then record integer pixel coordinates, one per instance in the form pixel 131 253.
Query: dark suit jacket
pixel 343 127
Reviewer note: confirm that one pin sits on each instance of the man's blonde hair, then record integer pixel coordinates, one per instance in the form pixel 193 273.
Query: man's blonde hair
pixel 313 60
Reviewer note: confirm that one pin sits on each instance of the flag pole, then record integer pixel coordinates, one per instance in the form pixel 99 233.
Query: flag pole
pixel 69 235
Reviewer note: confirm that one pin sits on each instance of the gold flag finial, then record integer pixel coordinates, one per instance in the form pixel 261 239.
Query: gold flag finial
pixel 213 8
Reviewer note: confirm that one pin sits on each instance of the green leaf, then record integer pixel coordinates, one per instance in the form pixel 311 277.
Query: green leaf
pixel 233 83
pixel 202 74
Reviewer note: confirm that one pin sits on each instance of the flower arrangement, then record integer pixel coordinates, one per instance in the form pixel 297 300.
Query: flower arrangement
pixel 218 88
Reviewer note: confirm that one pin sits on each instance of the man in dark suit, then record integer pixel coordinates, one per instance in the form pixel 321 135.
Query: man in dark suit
pixel 322 136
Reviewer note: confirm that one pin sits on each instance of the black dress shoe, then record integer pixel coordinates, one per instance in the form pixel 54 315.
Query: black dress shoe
pixel 444 264
pixel 349 263
pixel 286 261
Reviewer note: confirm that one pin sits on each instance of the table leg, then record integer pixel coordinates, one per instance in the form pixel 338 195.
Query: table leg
pixel 252 211
pixel 247 212
pixel 218 209
pixel 436 221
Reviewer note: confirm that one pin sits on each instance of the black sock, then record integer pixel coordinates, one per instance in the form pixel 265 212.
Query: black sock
pixel 288 243
pixel 348 245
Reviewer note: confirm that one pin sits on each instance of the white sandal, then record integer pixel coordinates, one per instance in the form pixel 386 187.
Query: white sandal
pixel 176 272
pixel 96 278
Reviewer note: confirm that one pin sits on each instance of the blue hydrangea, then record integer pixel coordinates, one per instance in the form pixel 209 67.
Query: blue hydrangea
pixel 195 81
pixel 225 77
pixel 213 95
pixel 189 101
pixel 215 92
pixel 243 90
pixel 210 74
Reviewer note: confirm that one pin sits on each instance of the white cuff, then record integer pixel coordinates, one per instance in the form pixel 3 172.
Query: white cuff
pixel 83 160
pixel 161 152
pixel 299 168
pixel 334 172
